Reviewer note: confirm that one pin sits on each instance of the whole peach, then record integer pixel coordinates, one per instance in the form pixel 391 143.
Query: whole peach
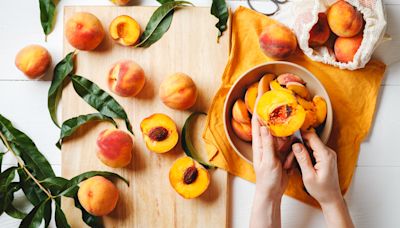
pixel 320 32
pixel 277 41
pixel 345 48
pixel 126 78
pixel 84 31
pixel 98 195
pixel 178 91
pixel 33 61
pixel 120 2
pixel 344 20
pixel 114 148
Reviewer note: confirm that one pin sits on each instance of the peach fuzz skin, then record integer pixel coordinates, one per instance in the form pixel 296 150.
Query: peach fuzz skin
pixel 178 91
pixel 320 32
pixel 277 41
pixel 114 148
pixel 344 20
pixel 33 61
pixel 346 48
pixel 98 195
pixel 126 78
pixel 84 31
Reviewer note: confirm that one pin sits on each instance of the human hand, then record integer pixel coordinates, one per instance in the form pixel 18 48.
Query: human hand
pixel 320 180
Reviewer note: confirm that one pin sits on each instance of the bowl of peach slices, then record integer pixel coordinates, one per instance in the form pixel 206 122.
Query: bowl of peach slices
pixel 293 99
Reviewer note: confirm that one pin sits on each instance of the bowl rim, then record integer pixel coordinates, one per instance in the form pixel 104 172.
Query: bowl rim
pixel 328 100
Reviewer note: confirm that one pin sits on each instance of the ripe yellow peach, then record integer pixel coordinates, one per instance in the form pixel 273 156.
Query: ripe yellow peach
pixel 84 31
pixel 240 112
pixel 98 195
pixel 277 41
pixel 126 78
pixel 189 178
pixel 120 2
pixel 320 109
pixel 125 30
pixel 114 148
pixel 33 61
pixel 178 91
pixel 159 132
pixel 346 48
pixel 344 20
pixel 320 32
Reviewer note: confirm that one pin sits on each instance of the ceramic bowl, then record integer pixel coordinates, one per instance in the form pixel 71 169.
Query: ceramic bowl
pixel 253 75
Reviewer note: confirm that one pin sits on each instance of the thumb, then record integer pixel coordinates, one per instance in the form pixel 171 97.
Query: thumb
pixel 303 158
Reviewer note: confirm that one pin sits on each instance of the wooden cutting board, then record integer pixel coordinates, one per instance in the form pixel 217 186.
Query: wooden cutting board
pixel 189 46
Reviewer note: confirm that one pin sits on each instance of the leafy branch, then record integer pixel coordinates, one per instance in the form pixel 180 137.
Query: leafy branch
pixel 38 182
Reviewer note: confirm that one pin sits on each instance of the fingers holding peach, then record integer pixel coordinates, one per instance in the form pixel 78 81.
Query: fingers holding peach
pixel 84 31
pixel 33 61
pixel 126 78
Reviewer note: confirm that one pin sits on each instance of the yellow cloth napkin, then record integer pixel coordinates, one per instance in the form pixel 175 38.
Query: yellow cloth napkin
pixel 353 95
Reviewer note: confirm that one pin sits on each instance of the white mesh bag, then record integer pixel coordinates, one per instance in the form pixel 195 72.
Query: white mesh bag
pixel 306 15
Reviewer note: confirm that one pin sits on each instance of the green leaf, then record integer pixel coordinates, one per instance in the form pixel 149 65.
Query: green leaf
pixel 187 144
pixel 73 124
pixel 10 209
pixel 24 147
pixel 54 184
pixel 91 220
pixel 72 186
pixel 164 1
pixel 159 22
pixel 33 193
pixel 6 178
pixel 220 10
pixel 35 216
pixel 14 212
pixel 47 13
pixel 99 99
pixel 61 220
pixel 1 159
pixel 60 75
pixel 47 213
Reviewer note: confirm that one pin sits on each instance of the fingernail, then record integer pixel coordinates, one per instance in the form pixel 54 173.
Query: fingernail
pixel 296 148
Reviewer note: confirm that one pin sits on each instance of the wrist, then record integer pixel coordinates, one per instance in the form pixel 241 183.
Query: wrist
pixel 335 203
pixel 262 195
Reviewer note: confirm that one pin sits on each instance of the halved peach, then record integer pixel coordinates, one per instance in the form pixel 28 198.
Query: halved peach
pixel 243 131
pixel 240 113
pixel 189 178
pixel 280 111
pixel 159 132
pixel 283 79
pixel 251 96
pixel 320 109
pixel 298 89
pixel 125 30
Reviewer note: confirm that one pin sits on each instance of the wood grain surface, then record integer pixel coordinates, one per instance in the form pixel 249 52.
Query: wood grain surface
pixel 189 46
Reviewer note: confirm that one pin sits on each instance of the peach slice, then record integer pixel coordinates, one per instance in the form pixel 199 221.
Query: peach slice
pixel 298 89
pixel 114 148
pixel 126 78
pixel 283 79
pixel 309 121
pixel 125 30
pixel 240 113
pixel 98 195
pixel 280 111
pixel 307 105
pixel 274 85
pixel 188 178
pixel 320 109
pixel 33 61
pixel 178 91
pixel 243 131
pixel 251 96
pixel 84 31
pixel 265 81
pixel 160 133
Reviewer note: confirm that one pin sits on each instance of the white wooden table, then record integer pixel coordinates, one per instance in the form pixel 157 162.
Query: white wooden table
pixel 373 199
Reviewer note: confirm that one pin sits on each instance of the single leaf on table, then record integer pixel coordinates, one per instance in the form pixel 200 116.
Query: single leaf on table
pixel 72 185
pixel 33 193
pixel 26 149
pixel 47 13
pixel 220 10
pixel 60 75
pixel 159 22
pixel 35 216
pixel 61 220
pixel 99 99
pixel 90 220
pixel 71 125
pixel 187 144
